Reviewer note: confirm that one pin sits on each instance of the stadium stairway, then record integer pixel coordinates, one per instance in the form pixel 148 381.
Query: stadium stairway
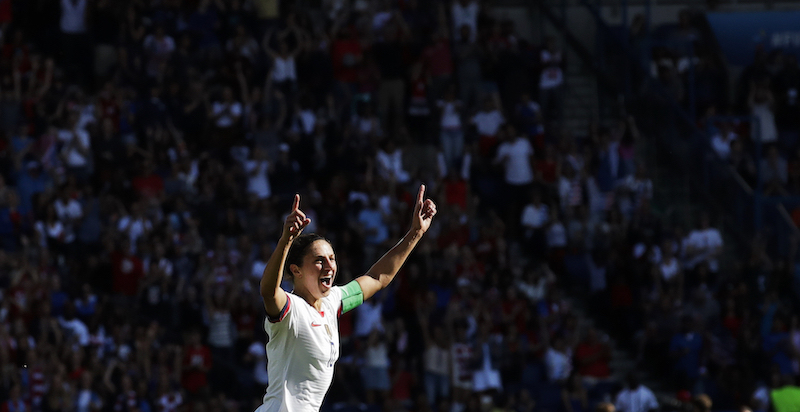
pixel 589 96
pixel 580 96
pixel 622 360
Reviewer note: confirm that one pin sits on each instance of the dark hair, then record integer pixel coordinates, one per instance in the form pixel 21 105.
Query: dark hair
pixel 298 250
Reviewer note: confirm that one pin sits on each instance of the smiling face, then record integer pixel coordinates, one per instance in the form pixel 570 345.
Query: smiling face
pixel 315 277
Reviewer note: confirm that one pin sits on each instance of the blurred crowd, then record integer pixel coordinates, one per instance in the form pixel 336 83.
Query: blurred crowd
pixel 763 107
pixel 738 337
pixel 150 149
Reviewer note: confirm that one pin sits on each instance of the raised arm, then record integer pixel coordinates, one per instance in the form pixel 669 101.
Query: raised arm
pixel 274 297
pixel 383 271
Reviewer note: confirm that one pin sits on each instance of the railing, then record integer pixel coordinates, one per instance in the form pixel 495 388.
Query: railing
pixel 744 210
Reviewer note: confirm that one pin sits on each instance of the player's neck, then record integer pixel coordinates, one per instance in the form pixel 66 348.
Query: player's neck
pixel 308 297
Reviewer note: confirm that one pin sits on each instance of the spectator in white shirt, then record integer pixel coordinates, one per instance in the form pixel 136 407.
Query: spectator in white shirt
pixel 465 12
pixel 721 141
pixel 536 282
pixel 75 328
pixel 368 318
pixel 73 16
pixel 515 155
pixel 556 233
pixel 671 270
pixel 487 123
pixel 534 220
pixel 158 47
pixel 135 225
pixel 703 245
pixel 451 133
pixel 284 69
pixel 51 231
pixel 633 190
pixel 260 262
pixel 551 79
pixel 375 373
pixel 635 397
pixel 225 114
pixel 76 148
pixel 69 212
pixel 389 160
pixel 558 360
pixel 365 123
pixel 75 41
pixel 257 170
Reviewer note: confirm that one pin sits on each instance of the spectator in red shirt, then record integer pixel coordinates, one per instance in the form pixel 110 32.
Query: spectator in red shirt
pixel 402 383
pixel 456 190
pixel 547 168
pixel 196 364
pixel 127 270
pixel 592 356
pixel 149 185
pixel 439 61
pixel 6 13
pixel 346 54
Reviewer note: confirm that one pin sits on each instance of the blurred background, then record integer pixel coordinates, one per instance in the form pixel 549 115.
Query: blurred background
pixel 618 185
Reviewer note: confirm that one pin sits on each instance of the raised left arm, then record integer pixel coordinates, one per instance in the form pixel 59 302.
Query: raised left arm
pixel 383 271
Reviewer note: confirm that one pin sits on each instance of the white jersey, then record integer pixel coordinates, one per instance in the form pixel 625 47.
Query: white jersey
pixel 302 350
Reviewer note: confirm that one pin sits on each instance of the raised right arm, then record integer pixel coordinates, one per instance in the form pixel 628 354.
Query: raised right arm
pixel 274 297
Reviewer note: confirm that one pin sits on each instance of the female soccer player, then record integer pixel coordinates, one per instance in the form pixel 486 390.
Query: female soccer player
pixel 303 325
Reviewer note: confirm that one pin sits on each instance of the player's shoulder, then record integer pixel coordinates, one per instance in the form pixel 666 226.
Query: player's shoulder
pixel 335 296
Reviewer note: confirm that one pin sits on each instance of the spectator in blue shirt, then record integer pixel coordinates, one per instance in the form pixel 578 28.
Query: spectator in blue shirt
pixel 685 348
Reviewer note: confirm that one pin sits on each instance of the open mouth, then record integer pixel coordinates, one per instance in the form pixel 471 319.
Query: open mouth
pixel 327 281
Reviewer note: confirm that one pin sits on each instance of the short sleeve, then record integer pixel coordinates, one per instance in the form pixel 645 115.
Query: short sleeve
pixel 236 109
pixel 716 239
pixel 528 147
pixel 652 403
pixel 283 313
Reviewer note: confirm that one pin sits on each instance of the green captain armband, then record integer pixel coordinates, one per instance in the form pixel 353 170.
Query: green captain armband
pixel 352 296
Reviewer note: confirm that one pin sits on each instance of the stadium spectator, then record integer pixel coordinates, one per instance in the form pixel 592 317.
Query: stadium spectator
pixel 635 397
pixel 139 196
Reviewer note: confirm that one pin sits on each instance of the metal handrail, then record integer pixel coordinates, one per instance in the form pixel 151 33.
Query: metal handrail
pixel 658 88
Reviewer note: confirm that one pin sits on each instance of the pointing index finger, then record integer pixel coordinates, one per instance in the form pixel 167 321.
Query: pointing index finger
pixel 421 194
pixel 296 204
